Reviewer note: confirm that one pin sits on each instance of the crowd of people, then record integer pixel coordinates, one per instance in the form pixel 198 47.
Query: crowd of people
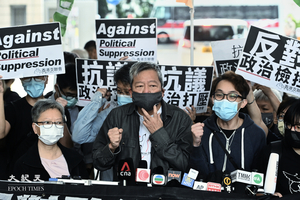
pixel 50 136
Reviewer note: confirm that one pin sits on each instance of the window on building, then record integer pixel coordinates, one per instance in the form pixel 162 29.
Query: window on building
pixel 18 15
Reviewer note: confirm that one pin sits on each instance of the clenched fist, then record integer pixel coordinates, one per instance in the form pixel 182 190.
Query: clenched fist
pixel 197 130
pixel 115 136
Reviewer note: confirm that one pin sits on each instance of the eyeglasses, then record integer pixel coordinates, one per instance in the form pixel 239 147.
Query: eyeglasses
pixel 230 96
pixel 65 96
pixel 296 127
pixel 37 79
pixel 49 124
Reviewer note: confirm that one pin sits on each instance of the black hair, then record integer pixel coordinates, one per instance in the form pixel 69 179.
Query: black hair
pixel 69 57
pixel 292 115
pixel 237 81
pixel 285 103
pixel 122 74
pixel 68 79
pixel 142 66
pixel 90 44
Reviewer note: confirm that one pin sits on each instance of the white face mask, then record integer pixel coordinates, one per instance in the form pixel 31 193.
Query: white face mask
pixel 50 136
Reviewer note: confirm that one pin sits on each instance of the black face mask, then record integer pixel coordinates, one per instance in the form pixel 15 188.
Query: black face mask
pixel 267 118
pixel 292 138
pixel 146 100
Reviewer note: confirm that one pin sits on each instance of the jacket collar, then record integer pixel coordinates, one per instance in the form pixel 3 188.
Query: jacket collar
pixel 165 111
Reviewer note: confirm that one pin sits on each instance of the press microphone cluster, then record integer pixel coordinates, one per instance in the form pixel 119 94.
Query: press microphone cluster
pixel 189 180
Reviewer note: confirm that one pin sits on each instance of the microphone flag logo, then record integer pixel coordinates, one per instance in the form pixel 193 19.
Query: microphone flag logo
pixel 127 167
pixel 158 179
pixel 143 175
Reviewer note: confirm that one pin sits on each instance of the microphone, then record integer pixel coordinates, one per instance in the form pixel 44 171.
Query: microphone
pixel 126 172
pixel 158 177
pixel 248 180
pixel 174 178
pixel 142 173
pixel 215 187
pixel 200 185
pixel 271 174
pixel 226 183
pixel 189 179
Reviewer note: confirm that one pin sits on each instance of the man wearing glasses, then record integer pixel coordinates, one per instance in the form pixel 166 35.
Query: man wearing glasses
pixel 15 121
pixel 66 94
pixel 227 127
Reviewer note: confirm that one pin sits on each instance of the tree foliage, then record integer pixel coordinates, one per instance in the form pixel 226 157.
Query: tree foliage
pixel 140 8
pixel 102 8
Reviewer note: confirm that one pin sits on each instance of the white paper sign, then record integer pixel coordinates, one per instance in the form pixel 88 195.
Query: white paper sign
pixel 33 50
pixel 272 60
pixel 135 38
pixel 187 85
pixel 226 54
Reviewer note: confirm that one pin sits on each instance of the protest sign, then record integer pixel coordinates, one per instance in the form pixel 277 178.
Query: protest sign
pixel 135 38
pixel 272 60
pixel 187 85
pixel 93 74
pixel 226 54
pixel 184 85
pixel 33 50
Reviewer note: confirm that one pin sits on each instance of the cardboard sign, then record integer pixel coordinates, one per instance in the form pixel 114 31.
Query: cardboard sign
pixel 94 74
pixel 187 85
pixel 33 50
pixel 226 54
pixel 135 38
pixel 272 60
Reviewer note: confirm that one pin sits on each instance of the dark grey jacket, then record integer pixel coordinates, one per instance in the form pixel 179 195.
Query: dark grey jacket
pixel 171 145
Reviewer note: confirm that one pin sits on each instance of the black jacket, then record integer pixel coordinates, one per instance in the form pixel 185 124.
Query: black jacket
pixel 31 164
pixel 170 145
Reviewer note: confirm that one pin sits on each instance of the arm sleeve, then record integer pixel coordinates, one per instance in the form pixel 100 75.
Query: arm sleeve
pixel 89 121
pixel 176 152
pixel 10 114
pixel 103 158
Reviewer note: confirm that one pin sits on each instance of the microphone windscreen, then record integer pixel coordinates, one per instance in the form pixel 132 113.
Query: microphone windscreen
pixel 125 169
pixel 142 164
pixel 271 174
pixel 158 170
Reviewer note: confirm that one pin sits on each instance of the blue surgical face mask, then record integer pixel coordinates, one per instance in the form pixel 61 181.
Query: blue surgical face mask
pixel 34 88
pixel 123 99
pixel 225 109
pixel 71 102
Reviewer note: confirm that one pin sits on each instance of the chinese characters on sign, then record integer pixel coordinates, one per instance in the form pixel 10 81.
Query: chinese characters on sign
pixel 272 60
pixel 94 74
pixel 226 54
pixel 186 86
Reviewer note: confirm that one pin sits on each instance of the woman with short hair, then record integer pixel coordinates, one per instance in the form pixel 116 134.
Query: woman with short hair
pixel 48 158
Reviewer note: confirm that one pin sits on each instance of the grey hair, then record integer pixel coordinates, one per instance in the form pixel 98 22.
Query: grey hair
pixel 45 104
pixel 138 67
pixel 260 96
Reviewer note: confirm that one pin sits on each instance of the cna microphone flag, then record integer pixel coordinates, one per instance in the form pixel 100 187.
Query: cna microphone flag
pixel 61 15
pixel 189 3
